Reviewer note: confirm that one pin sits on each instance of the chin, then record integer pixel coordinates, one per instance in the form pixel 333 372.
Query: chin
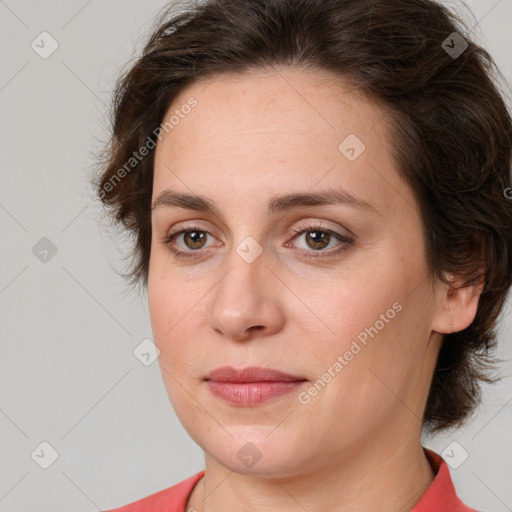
pixel 256 451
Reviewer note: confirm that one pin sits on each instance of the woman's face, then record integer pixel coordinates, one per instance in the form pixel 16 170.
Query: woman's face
pixel 333 292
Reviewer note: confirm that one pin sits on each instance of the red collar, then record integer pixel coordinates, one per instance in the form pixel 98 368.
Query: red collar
pixel 441 495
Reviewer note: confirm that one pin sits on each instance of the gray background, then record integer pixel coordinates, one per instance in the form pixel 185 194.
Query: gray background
pixel 68 375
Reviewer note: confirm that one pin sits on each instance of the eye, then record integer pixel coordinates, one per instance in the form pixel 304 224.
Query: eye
pixel 193 239
pixel 317 239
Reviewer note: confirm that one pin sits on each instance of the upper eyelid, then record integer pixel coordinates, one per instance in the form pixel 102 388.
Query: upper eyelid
pixel 321 226
pixel 302 223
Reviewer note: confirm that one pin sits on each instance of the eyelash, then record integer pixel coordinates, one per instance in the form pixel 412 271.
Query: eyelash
pixel 294 233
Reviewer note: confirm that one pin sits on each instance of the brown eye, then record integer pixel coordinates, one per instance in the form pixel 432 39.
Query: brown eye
pixel 313 241
pixel 187 242
pixel 317 239
pixel 194 239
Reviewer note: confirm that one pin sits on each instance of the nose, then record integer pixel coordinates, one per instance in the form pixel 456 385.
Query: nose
pixel 246 302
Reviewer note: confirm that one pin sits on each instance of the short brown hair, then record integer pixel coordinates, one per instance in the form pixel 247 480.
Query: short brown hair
pixel 451 137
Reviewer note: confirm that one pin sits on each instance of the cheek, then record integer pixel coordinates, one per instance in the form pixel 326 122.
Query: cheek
pixel 169 295
pixel 345 306
pixel 178 312
pixel 169 309
pixel 371 335
pixel 172 317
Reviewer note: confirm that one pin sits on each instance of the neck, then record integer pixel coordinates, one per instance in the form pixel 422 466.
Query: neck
pixel 385 476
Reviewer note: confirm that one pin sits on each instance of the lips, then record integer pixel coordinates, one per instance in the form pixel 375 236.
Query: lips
pixel 252 385
pixel 250 374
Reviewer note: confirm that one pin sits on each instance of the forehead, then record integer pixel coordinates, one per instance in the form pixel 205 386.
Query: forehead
pixel 296 100
pixel 275 128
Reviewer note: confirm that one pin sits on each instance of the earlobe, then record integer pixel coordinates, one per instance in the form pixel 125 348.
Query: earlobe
pixel 458 305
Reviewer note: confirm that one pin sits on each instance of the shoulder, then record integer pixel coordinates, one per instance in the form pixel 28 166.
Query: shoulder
pixel 172 499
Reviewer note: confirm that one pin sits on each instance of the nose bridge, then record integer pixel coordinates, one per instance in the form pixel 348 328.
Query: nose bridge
pixel 244 296
pixel 246 256
pixel 246 265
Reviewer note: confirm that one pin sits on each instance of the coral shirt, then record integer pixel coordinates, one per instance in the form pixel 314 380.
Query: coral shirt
pixel 439 497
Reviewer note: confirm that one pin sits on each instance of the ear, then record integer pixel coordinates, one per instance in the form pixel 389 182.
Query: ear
pixel 457 305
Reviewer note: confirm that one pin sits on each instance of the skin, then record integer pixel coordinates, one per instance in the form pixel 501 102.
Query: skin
pixel 356 444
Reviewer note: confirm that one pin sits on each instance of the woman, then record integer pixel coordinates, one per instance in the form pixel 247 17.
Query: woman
pixel 317 190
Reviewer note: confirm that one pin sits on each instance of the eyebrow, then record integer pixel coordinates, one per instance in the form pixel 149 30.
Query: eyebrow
pixel 277 204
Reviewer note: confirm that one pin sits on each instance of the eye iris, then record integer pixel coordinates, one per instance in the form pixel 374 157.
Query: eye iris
pixel 196 237
pixel 324 237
